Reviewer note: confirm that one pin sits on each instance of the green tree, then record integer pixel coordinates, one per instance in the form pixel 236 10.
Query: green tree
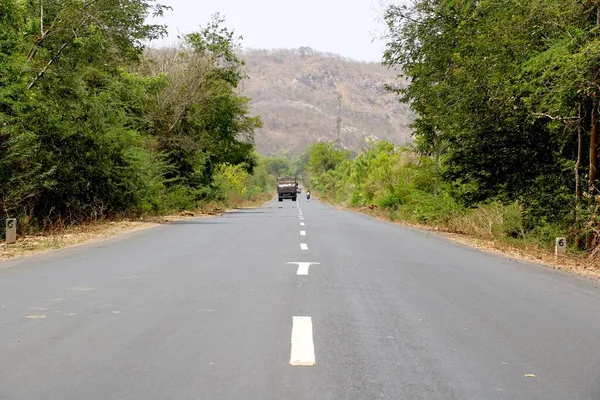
pixel 464 60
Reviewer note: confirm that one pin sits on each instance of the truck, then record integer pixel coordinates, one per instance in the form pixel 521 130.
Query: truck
pixel 287 188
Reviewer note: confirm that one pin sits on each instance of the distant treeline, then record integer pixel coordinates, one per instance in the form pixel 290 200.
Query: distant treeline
pixel 93 125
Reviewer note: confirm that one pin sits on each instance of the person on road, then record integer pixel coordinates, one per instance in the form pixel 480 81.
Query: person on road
pixel 308 195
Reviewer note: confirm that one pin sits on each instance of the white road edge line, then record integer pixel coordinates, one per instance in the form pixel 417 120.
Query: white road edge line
pixel 302 233
pixel 303 347
pixel 303 246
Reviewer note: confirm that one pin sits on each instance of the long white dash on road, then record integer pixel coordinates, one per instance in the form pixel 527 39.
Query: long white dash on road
pixel 303 267
pixel 302 233
pixel 303 347
pixel 303 246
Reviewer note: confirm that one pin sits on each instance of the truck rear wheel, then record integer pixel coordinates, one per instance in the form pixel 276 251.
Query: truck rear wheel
pixel 281 199
pixel 293 199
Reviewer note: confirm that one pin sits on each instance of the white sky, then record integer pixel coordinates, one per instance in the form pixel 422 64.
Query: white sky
pixel 345 27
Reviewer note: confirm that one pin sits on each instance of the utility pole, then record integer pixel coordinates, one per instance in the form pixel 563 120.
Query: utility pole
pixel 339 122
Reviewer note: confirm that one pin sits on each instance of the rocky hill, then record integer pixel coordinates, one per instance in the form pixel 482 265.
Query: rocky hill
pixel 297 94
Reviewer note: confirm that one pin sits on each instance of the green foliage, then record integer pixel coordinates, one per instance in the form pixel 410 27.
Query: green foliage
pixel 505 92
pixel 278 166
pixel 464 61
pixel 401 184
pixel 322 161
pixel 234 184
pixel 90 129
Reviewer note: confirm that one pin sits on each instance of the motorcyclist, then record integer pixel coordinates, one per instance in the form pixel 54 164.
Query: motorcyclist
pixel 308 195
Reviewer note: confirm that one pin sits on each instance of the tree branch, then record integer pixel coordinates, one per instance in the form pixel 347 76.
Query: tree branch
pixel 56 56
pixel 553 118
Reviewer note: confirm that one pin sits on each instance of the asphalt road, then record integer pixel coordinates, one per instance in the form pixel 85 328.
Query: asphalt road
pixel 211 309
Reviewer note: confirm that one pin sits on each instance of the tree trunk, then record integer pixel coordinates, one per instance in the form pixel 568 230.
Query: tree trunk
pixel 593 239
pixel 436 144
pixel 593 146
pixel 578 189
pixel 594 130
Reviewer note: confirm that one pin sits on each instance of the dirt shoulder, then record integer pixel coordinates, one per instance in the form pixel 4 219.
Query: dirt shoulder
pixel 572 264
pixel 103 230
pixel 85 234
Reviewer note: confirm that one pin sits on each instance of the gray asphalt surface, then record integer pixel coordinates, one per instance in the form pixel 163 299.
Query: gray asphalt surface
pixel 203 309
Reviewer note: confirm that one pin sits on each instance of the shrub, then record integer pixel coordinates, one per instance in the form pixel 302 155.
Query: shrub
pixel 492 220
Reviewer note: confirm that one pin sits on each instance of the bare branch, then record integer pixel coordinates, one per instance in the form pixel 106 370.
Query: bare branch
pixel 554 118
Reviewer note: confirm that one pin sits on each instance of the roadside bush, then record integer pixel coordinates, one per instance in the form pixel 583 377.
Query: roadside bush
pixel 426 208
pixel 492 220
pixel 545 234
pixel 231 181
pixel 390 201
pixel 406 186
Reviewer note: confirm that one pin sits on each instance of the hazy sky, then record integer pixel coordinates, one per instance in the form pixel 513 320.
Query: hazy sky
pixel 345 27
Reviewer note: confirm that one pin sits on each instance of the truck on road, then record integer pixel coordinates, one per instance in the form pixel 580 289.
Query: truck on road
pixel 287 188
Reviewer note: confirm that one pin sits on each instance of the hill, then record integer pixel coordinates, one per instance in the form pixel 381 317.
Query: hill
pixel 296 94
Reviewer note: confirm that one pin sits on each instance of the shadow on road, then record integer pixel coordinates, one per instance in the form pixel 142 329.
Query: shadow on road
pixel 198 223
pixel 247 212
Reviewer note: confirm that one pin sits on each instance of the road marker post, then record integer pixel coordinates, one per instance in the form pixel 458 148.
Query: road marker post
pixel 560 248
pixel 11 231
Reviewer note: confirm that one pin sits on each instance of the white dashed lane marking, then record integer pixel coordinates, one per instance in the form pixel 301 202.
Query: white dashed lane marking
pixel 302 233
pixel 301 223
pixel 303 347
pixel 303 246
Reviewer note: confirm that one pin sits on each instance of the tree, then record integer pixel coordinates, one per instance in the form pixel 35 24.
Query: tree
pixel 199 120
pixel 463 60
pixel 71 152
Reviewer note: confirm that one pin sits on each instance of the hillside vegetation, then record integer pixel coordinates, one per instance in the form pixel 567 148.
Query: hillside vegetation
pixel 296 93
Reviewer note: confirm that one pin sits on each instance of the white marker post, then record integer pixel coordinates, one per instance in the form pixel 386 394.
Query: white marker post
pixel 560 248
pixel 11 231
